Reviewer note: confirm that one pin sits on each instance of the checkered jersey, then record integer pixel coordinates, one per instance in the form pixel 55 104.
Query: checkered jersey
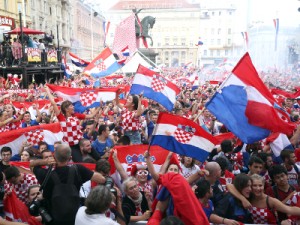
pixel 72 130
pixel 262 215
pixel 21 189
pixel 4 128
pixel 88 98
pixel 34 137
pixel 129 121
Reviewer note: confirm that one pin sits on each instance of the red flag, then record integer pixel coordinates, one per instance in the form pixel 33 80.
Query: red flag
pixel 15 210
pixel 125 36
pixel 130 154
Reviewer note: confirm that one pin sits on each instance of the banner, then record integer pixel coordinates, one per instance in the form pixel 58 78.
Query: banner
pixel 52 55
pixel 34 55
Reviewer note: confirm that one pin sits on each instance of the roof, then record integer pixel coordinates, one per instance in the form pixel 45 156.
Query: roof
pixel 152 4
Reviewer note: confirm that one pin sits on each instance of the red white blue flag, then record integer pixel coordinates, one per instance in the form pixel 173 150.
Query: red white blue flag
pixel 278 142
pixel 84 98
pixel 48 133
pixel 246 107
pixel 276 25
pixel 103 65
pixel 182 136
pixel 155 87
pixel 78 61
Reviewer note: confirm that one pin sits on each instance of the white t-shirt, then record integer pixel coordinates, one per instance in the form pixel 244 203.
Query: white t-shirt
pixel 96 219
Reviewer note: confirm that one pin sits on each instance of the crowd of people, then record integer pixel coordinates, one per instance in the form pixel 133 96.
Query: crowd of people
pixel 238 183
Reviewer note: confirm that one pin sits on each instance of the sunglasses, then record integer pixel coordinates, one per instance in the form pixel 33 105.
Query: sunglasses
pixel 142 172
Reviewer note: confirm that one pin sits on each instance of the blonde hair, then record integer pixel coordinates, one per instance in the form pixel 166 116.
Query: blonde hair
pixel 258 177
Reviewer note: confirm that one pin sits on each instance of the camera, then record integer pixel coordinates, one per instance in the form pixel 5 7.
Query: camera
pixel 109 183
pixel 36 208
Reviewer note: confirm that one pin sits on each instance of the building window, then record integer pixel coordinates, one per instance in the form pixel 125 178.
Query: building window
pixel 212 31
pixel 6 5
pixel 226 52
pixel 219 31
pixel 158 44
pixel 211 53
pixel 205 52
pixel 183 41
pixel 229 41
pixel 218 52
pixel 175 41
pixel 212 41
pixel 50 10
pixel 229 30
pixel 167 41
pixel 219 41
pixel 220 13
pixel 212 13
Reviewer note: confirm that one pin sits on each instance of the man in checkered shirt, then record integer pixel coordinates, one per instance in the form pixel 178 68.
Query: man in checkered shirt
pixel 20 182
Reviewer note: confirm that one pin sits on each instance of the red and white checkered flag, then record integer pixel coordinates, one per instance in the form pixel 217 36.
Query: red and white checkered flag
pixel 125 36
pixel 87 98
pixel 183 134
pixel 34 137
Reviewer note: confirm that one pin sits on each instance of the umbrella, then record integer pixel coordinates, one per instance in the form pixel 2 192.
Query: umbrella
pixel 25 31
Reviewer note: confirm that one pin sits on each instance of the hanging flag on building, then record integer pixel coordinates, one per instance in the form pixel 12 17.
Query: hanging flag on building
pixel 125 36
pixel 276 25
pixel 103 65
pixel 245 38
pixel 200 42
pixel 78 61
pixel 246 107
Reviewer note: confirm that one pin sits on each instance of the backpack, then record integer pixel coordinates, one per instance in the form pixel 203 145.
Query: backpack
pixel 65 199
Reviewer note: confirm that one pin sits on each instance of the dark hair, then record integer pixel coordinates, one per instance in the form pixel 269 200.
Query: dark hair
pixel 277 169
pixel 203 187
pixel 135 101
pixel 171 220
pixel 82 141
pixel 6 149
pixel 11 172
pixel 124 140
pixel 285 153
pixel 90 122
pixel 226 146
pixel 263 156
pixel 102 128
pixel 102 165
pixel 46 150
pixel 241 181
pixel 42 143
pixel 255 159
pixel 222 162
pixel 98 201
pixel 65 105
pixel 192 163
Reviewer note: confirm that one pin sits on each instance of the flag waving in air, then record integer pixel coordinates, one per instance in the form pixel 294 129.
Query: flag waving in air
pixel 246 106
pixel 84 98
pixel 78 61
pixel 103 65
pixel 183 136
pixel 155 87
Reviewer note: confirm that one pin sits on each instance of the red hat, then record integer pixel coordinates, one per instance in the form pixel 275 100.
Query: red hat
pixel 137 166
pixel 174 160
pixel 110 113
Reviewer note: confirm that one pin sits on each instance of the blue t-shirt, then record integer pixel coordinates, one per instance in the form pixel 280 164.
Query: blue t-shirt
pixel 100 147
pixel 32 123
pixel 209 209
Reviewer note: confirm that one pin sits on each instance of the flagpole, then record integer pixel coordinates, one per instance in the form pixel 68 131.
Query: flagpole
pixel 149 60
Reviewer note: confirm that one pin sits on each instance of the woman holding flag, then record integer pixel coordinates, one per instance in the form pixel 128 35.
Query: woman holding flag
pixel 70 121
pixel 130 117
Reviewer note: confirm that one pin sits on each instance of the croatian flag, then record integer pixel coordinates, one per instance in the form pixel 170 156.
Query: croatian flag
pixel 278 142
pixel 245 37
pixel 65 67
pixel 84 98
pixel 134 154
pixel 78 61
pixel 155 87
pixel 246 107
pixel 42 104
pixel 182 136
pixel 276 25
pixel 48 133
pixel 103 65
pixel 125 51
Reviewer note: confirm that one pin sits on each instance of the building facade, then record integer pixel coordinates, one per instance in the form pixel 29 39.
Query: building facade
pixel 87 40
pixel 175 32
